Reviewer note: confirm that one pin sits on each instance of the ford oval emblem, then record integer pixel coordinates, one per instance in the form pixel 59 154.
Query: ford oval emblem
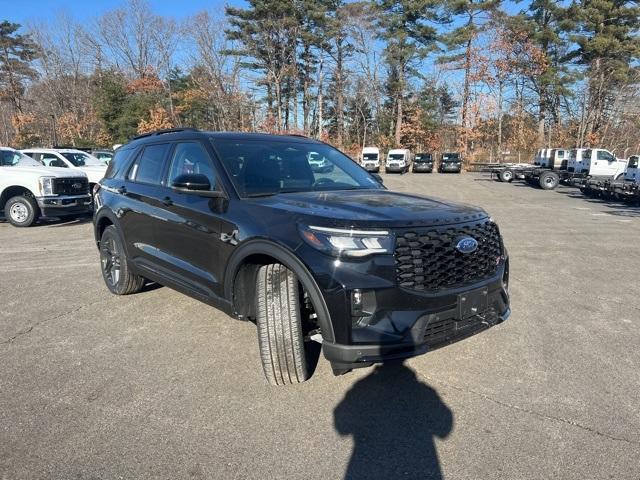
pixel 467 245
pixel 77 186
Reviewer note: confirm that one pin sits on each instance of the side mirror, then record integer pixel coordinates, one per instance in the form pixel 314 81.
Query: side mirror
pixel 195 183
pixel 378 178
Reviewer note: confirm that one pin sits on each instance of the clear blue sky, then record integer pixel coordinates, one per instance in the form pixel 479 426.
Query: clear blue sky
pixel 22 11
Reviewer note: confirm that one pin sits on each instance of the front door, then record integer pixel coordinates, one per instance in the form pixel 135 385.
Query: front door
pixel 190 240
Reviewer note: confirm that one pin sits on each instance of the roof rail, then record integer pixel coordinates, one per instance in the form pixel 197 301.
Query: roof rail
pixel 166 130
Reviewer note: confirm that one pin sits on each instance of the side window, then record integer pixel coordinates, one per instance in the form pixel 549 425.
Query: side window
pixel 603 155
pixel 149 165
pixel 191 158
pixel 50 160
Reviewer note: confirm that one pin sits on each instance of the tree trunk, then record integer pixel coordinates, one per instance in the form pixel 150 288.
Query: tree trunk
pixel 465 92
pixel 339 92
pixel 398 119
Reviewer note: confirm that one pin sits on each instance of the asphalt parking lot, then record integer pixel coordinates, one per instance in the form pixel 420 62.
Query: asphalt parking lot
pixel 157 385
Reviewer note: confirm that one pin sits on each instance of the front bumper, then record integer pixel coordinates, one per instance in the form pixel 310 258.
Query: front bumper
pixel 63 205
pixel 451 168
pixel 422 167
pixel 395 168
pixel 370 167
pixel 408 323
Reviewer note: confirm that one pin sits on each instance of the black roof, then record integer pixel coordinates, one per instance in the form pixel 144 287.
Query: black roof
pixel 178 133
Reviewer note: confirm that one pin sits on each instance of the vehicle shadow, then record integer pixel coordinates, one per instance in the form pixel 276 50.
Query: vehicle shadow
pixel 394 419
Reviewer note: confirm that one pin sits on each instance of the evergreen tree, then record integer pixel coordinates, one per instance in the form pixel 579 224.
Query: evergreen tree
pixel 409 38
pixel 16 54
pixel 606 35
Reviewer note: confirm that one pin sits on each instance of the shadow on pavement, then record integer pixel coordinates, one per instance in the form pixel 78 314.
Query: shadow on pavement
pixel 394 419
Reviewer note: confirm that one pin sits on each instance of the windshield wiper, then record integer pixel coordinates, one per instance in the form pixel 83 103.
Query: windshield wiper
pixel 265 194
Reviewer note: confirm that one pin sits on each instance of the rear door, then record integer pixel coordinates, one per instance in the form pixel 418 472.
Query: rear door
pixel 142 211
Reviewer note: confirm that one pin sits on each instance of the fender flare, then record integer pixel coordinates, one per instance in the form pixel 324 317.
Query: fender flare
pixel 292 262
pixel 99 216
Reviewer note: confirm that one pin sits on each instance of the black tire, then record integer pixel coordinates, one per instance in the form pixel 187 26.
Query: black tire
pixel 114 265
pixel 506 175
pixel 548 180
pixel 279 326
pixel 21 211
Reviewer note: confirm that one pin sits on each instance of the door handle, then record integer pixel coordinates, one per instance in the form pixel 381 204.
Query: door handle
pixel 122 190
pixel 167 201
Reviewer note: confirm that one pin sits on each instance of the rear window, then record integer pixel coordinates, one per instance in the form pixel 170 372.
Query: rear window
pixel 148 168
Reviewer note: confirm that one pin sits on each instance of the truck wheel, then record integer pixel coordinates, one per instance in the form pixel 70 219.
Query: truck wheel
pixel 115 265
pixel 548 180
pixel 279 326
pixel 21 211
pixel 506 175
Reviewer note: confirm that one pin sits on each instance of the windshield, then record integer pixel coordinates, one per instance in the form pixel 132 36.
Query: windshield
pixel 370 156
pixel 396 156
pixel 11 158
pixel 633 161
pixel 259 168
pixel 450 157
pixel 424 157
pixel 81 159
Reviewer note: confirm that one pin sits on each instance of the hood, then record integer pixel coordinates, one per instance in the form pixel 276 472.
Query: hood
pixel 370 208
pixel 94 168
pixel 47 171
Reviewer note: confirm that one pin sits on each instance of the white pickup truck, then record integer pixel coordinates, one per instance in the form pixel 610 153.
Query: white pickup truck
pixel 29 190
pixel 70 158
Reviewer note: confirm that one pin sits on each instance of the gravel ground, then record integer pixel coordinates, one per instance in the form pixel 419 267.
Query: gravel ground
pixel 157 385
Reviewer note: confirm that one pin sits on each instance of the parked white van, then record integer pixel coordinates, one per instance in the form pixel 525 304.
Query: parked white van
pixel 398 160
pixel 371 159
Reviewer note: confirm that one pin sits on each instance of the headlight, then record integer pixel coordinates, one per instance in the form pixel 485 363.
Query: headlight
pixel 46 185
pixel 349 243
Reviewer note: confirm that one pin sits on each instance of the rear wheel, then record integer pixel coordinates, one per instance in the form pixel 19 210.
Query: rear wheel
pixel 282 349
pixel 22 211
pixel 548 180
pixel 114 264
pixel 506 175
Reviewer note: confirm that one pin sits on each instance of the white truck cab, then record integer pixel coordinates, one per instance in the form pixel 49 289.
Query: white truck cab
pixel 371 159
pixel 575 164
pixel 552 158
pixel 29 190
pixel 398 160
pixel 599 162
pixel 70 158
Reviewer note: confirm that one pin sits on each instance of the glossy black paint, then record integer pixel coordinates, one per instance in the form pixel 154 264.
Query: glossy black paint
pixel 198 244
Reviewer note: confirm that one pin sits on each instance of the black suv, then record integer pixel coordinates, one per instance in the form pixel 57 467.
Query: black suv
pixel 450 162
pixel 244 223
pixel 423 162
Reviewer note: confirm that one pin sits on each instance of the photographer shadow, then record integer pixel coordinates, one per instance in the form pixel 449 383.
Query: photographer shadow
pixel 394 419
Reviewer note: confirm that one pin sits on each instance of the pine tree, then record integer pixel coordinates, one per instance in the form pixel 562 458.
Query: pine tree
pixel 606 34
pixel 16 54
pixel 409 38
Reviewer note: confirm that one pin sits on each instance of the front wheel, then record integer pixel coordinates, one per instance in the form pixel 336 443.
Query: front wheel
pixel 22 211
pixel 280 337
pixel 114 264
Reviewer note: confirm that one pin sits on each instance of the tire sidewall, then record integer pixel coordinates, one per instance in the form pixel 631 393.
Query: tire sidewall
pixel 29 204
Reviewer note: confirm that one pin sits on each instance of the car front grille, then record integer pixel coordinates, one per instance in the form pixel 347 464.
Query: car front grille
pixel 428 260
pixel 70 186
pixel 441 331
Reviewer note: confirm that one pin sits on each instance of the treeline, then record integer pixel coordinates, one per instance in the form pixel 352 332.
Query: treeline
pixel 423 74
